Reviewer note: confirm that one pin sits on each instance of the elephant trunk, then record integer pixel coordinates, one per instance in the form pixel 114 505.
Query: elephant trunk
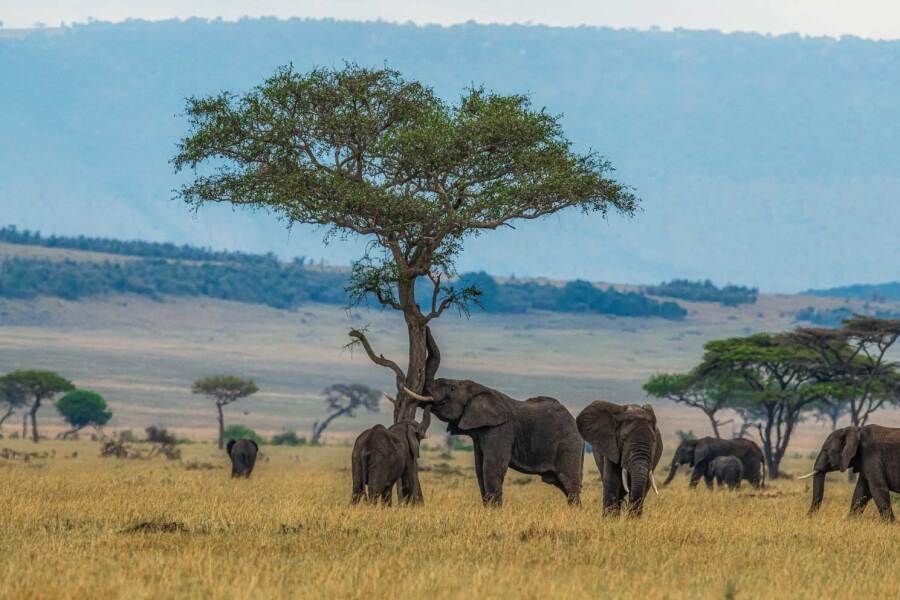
pixel 672 469
pixel 639 474
pixel 818 491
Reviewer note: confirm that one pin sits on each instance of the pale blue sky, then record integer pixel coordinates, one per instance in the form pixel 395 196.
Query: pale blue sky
pixel 864 18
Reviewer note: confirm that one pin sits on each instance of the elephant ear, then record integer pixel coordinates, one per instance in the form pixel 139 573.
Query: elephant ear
pixel 485 409
pixel 598 425
pixel 229 447
pixel 701 453
pixel 412 440
pixel 255 446
pixel 849 447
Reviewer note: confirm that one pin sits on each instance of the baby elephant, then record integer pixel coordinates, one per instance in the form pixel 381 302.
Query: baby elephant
pixel 383 457
pixel 243 456
pixel 727 470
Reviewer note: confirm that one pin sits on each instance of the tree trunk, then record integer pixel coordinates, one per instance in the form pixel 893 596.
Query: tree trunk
pixel 319 427
pixel 715 426
pixel 418 351
pixel 34 427
pixel 221 426
pixel 24 425
pixel 8 414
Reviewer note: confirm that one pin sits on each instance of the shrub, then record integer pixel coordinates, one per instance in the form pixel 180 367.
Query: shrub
pixel 288 438
pixel 159 435
pixel 237 432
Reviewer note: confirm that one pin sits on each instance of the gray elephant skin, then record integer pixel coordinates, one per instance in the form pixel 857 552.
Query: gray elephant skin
pixel 627 446
pixel 700 452
pixel 726 470
pixel 243 456
pixel 873 452
pixel 537 436
pixel 387 456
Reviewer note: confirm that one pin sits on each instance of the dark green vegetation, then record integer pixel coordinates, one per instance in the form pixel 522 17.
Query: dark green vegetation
pixel 705 291
pixel 750 143
pixel 168 270
pixel 239 432
pixel 224 390
pixel 833 317
pixel 36 386
pixel 83 408
pixel 773 380
pixel 876 292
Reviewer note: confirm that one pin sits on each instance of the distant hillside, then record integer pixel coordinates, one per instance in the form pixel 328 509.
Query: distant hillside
pixel 878 292
pixel 761 160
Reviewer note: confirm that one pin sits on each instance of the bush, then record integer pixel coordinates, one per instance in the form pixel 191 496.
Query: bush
pixel 705 291
pixel 159 435
pixel 288 438
pixel 127 436
pixel 81 408
pixel 237 432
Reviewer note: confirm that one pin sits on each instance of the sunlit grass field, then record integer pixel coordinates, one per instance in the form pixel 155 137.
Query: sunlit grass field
pixel 87 526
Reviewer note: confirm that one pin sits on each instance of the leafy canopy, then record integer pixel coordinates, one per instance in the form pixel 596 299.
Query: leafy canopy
pixel 363 151
pixel 39 384
pixel 11 394
pixel 81 408
pixel 225 389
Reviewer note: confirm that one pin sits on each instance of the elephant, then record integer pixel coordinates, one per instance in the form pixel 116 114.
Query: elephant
pixel 627 446
pixel 873 452
pixel 537 436
pixel 727 470
pixel 700 452
pixel 243 456
pixel 385 456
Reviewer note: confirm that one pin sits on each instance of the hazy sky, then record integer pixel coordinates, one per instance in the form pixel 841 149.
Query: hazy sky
pixel 864 18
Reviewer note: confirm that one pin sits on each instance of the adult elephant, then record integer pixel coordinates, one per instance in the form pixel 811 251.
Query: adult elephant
pixel 873 452
pixel 537 436
pixel 627 446
pixel 701 452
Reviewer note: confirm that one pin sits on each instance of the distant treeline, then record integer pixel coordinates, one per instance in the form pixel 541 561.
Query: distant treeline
pixel 705 291
pixel 875 292
pixel 834 317
pixel 169 270
pixel 168 250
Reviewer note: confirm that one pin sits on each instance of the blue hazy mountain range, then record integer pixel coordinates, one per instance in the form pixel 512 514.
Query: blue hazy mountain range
pixel 767 161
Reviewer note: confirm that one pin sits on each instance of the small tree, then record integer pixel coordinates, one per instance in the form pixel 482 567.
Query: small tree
pixel 709 394
pixel 365 152
pixel 344 399
pixel 81 408
pixel 224 389
pixel 38 386
pixel 12 398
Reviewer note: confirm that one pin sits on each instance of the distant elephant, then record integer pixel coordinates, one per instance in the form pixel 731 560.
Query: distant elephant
pixel 384 457
pixel 873 452
pixel 700 452
pixel 627 446
pixel 537 436
pixel 727 470
pixel 243 456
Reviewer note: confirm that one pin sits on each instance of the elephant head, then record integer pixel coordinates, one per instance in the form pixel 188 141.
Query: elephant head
pixel 684 455
pixel 463 403
pixel 627 436
pixel 838 453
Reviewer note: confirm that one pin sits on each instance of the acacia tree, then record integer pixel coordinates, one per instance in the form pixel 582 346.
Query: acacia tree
pixel 781 382
pixel 852 360
pixel 709 394
pixel 37 386
pixel 224 389
pixel 344 399
pixel 365 152
pixel 81 408
pixel 12 397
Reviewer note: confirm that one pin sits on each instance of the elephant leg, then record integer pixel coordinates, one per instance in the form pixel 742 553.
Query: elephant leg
pixel 613 490
pixel 861 497
pixel 571 487
pixel 479 468
pixel 698 472
pixel 880 493
pixel 494 465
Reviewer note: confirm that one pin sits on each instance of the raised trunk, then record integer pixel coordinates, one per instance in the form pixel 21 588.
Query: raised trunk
pixel 818 492
pixel 672 469
pixel 221 426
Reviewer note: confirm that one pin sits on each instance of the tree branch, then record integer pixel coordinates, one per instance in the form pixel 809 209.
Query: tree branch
pixel 378 359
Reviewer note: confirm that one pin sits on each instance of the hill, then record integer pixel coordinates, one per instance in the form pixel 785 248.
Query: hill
pixel 744 147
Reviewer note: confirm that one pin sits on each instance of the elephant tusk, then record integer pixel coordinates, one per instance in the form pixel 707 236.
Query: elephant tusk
pixel 416 396
pixel 653 483
pixel 808 475
pixel 625 480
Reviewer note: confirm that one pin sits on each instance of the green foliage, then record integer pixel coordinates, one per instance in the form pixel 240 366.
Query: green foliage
pixel 705 291
pixel 81 408
pixel 39 385
pixel 237 432
pixel 834 317
pixel 684 436
pixel 877 292
pixel 12 395
pixel 225 389
pixel 288 438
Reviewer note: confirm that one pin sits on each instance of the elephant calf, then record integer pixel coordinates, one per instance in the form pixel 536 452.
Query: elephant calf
pixel 243 457
pixel 727 470
pixel 385 456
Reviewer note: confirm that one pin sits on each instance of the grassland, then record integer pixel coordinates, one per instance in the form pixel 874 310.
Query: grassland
pixel 84 526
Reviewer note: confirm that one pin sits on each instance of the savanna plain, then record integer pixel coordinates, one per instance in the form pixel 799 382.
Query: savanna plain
pixel 77 525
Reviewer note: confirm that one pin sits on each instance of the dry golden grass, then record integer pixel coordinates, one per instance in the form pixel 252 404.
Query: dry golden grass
pixel 289 532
